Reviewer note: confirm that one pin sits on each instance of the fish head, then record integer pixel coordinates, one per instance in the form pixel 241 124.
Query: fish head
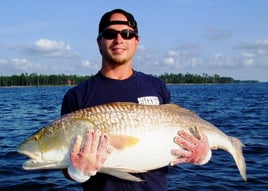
pixel 46 146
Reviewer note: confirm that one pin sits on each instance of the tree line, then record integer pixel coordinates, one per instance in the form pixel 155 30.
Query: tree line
pixel 34 79
pixel 195 78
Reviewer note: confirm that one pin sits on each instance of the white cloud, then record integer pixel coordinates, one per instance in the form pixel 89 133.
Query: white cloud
pixel 249 62
pixel 45 44
pixel 12 66
pixel 147 60
pixel 86 63
pixel 20 63
pixel 185 55
pixel 15 66
pixel 180 59
pixel 169 60
pixel 260 47
pixel 247 54
pixel 88 66
pixel 49 48
pixel 172 53
pixel 253 53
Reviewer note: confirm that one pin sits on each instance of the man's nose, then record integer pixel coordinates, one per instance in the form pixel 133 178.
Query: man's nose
pixel 118 37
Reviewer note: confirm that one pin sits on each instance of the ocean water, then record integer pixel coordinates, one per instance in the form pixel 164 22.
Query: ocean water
pixel 240 110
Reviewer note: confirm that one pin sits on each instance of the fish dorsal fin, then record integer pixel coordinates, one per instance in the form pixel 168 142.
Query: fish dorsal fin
pixel 123 141
pixel 170 106
pixel 173 107
pixel 177 108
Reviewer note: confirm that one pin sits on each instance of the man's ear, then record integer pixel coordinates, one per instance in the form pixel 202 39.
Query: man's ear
pixel 137 41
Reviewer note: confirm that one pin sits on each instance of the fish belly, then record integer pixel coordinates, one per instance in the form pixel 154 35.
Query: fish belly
pixel 151 152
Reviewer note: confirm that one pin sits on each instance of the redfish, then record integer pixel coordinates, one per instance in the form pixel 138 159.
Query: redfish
pixel 142 137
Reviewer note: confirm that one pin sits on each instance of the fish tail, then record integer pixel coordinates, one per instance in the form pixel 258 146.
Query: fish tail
pixel 238 156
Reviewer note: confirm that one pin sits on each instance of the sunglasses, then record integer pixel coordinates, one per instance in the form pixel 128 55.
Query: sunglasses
pixel 112 34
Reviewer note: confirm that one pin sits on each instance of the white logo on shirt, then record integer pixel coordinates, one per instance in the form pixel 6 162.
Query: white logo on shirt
pixel 149 100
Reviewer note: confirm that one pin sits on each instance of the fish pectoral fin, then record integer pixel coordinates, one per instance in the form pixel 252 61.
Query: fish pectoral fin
pixel 120 174
pixel 123 141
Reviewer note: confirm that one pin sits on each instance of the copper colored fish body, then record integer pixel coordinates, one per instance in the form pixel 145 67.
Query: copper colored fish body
pixel 142 137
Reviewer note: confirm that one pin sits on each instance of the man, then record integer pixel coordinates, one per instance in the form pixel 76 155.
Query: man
pixel 116 81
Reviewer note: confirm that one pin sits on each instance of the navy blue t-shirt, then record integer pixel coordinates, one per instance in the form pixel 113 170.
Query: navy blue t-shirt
pixel 139 88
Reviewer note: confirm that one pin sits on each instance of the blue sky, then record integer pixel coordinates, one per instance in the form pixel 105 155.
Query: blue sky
pixel 225 37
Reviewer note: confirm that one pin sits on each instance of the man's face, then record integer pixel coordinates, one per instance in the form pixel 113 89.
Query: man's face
pixel 118 50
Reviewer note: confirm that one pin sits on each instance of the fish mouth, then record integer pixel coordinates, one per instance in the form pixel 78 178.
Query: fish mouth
pixel 34 156
pixel 37 161
pixel 28 165
pixel 40 163
pixel 32 164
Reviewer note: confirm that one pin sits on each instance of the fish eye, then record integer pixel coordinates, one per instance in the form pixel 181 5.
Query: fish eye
pixel 35 137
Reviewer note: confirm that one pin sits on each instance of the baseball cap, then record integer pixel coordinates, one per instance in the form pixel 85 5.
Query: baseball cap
pixel 105 20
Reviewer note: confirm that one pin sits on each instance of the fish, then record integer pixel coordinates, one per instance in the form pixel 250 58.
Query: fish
pixel 142 137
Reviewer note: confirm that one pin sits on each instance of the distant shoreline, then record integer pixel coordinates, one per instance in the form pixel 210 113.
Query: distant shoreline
pixel 65 80
pixel 169 84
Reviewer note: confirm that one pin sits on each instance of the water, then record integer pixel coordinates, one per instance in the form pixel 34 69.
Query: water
pixel 240 110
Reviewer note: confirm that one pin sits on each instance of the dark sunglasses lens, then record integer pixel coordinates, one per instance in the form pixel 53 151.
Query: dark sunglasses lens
pixel 127 34
pixel 109 34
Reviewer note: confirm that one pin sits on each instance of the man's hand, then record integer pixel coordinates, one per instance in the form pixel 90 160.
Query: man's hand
pixel 88 158
pixel 193 149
